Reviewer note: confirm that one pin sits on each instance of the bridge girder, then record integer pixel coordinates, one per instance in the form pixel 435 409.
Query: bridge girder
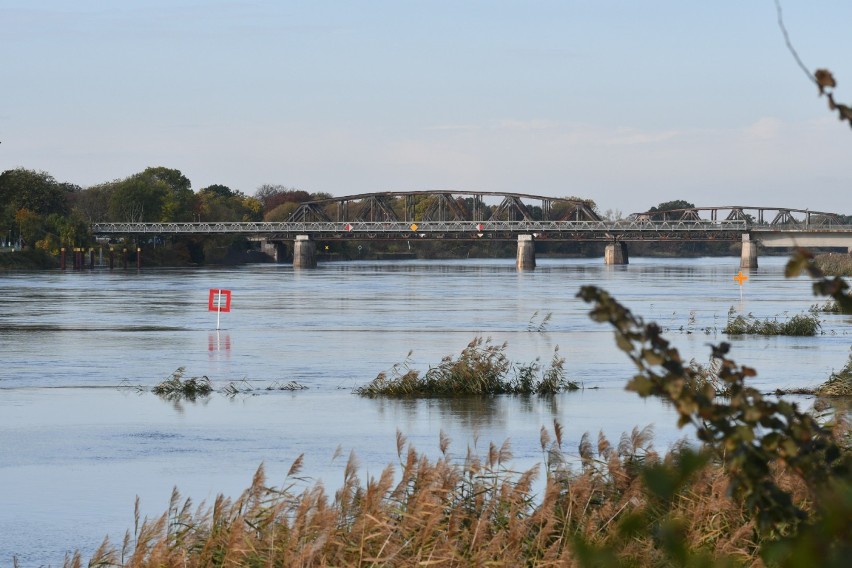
pixel 754 216
pixel 513 208
pixel 308 212
pixel 447 205
pixel 376 208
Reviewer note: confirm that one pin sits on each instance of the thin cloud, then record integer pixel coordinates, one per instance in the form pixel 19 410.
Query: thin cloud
pixel 635 137
pixel 454 127
pixel 523 125
pixel 766 128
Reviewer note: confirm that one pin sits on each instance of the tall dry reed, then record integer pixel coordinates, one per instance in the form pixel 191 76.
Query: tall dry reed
pixel 467 511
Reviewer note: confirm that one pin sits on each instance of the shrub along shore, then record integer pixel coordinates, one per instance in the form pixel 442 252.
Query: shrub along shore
pixel 835 264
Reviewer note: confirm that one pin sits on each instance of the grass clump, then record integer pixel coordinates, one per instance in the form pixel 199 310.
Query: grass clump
pixel 799 325
pixel 838 384
pixel 176 387
pixel 830 307
pixel 834 264
pixel 539 326
pixel 481 368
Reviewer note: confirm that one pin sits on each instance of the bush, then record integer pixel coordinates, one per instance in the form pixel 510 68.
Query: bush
pixel 176 387
pixel 799 325
pixel 28 259
pixel 480 369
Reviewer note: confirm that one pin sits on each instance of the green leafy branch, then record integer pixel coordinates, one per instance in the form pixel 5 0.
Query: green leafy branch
pixel 749 432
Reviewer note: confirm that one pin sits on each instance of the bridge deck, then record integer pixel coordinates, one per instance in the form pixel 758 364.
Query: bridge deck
pixel 554 230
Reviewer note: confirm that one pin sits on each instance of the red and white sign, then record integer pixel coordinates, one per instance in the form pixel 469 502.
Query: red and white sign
pixel 348 227
pixel 480 226
pixel 219 300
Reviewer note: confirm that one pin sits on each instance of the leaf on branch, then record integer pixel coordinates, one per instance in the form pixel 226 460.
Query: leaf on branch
pixel 845 112
pixel 623 343
pixel 824 79
pixel 798 262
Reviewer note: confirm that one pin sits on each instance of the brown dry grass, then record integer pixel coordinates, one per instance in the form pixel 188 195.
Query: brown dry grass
pixel 835 264
pixel 447 512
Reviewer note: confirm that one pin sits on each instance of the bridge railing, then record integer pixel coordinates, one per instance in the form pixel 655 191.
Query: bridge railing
pixel 424 227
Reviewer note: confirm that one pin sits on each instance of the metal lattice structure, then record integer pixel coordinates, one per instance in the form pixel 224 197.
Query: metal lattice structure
pixel 466 215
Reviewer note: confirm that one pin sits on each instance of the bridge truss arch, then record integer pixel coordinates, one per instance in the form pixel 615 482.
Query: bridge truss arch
pixel 444 206
pixel 754 216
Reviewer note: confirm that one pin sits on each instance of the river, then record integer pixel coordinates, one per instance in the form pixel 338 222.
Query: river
pixel 81 435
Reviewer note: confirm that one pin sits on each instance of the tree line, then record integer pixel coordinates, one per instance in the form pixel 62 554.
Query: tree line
pixel 38 212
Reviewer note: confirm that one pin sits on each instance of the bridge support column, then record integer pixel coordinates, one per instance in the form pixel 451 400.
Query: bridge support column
pixel 304 252
pixel 526 253
pixel 616 253
pixel 276 250
pixel 748 256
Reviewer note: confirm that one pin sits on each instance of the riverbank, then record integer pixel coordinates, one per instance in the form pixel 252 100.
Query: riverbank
pixel 27 260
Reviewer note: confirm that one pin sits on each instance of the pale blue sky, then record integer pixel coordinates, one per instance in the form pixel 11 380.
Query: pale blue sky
pixel 629 103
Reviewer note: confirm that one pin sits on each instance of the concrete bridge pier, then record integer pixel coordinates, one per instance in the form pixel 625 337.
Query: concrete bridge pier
pixel 616 253
pixel 748 256
pixel 275 249
pixel 304 252
pixel 526 253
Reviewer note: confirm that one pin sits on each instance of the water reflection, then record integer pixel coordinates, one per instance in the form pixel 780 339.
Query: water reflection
pixel 179 400
pixel 471 413
pixel 219 343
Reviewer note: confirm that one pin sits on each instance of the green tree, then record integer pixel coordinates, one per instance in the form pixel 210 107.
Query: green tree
pixel 35 191
pixel 221 203
pixel 26 198
pixel 218 190
pixel 672 205
pixel 92 203
pixel 155 194
pixel 135 199
pixel 179 200
pixel 281 212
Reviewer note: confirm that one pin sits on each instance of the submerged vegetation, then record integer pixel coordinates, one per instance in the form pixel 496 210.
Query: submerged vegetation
pixel 481 368
pixel 539 326
pixel 830 307
pixel 176 387
pixel 798 325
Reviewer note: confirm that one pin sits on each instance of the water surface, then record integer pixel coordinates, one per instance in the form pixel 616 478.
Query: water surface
pixel 81 436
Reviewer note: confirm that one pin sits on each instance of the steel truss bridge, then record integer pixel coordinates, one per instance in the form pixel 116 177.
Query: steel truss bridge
pixel 465 215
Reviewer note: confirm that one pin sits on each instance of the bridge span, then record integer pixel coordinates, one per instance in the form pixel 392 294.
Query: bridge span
pixel 522 217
